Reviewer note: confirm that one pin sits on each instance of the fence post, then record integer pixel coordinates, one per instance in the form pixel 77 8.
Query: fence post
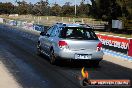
pixel 62 19
pixel 73 20
pixel 82 21
pixel 47 18
pixel 38 20
pixel 69 19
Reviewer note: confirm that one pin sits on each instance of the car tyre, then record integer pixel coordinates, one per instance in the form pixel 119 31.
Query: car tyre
pixel 96 63
pixel 52 57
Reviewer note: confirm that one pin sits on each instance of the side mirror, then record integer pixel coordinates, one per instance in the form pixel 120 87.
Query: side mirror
pixel 42 34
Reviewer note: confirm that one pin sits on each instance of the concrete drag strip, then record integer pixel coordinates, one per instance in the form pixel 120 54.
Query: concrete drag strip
pixel 6 79
pixel 118 61
pixel 26 33
pixel 117 55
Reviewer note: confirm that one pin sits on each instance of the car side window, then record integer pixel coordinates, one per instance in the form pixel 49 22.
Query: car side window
pixel 53 33
pixel 49 31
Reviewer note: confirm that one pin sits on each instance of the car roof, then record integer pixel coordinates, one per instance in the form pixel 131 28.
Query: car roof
pixel 72 25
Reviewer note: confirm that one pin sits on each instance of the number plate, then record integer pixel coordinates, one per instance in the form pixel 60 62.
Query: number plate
pixel 83 56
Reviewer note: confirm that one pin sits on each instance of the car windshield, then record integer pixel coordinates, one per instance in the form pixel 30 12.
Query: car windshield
pixel 78 33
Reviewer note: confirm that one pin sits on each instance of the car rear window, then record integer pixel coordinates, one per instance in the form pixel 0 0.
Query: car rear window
pixel 78 33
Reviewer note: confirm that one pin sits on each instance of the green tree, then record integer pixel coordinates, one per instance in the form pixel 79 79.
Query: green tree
pixel 83 9
pixel 29 8
pixel 67 10
pixel 6 8
pixel 56 10
pixel 108 9
pixel 126 6
pixel 22 7
pixel 41 8
pixel 94 10
pixel 115 10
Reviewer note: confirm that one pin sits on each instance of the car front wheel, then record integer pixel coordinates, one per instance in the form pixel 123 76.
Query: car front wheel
pixel 52 57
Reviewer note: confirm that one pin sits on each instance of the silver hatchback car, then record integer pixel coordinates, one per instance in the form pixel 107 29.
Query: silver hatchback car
pixel 72 42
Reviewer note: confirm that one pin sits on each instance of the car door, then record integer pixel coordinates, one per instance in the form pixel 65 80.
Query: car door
pixel 45 40
pixel 50 40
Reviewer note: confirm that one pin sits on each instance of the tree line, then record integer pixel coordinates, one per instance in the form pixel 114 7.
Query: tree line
pixel 100 9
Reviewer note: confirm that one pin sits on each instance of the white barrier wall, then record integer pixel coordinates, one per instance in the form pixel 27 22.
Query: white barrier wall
pixel 1 20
